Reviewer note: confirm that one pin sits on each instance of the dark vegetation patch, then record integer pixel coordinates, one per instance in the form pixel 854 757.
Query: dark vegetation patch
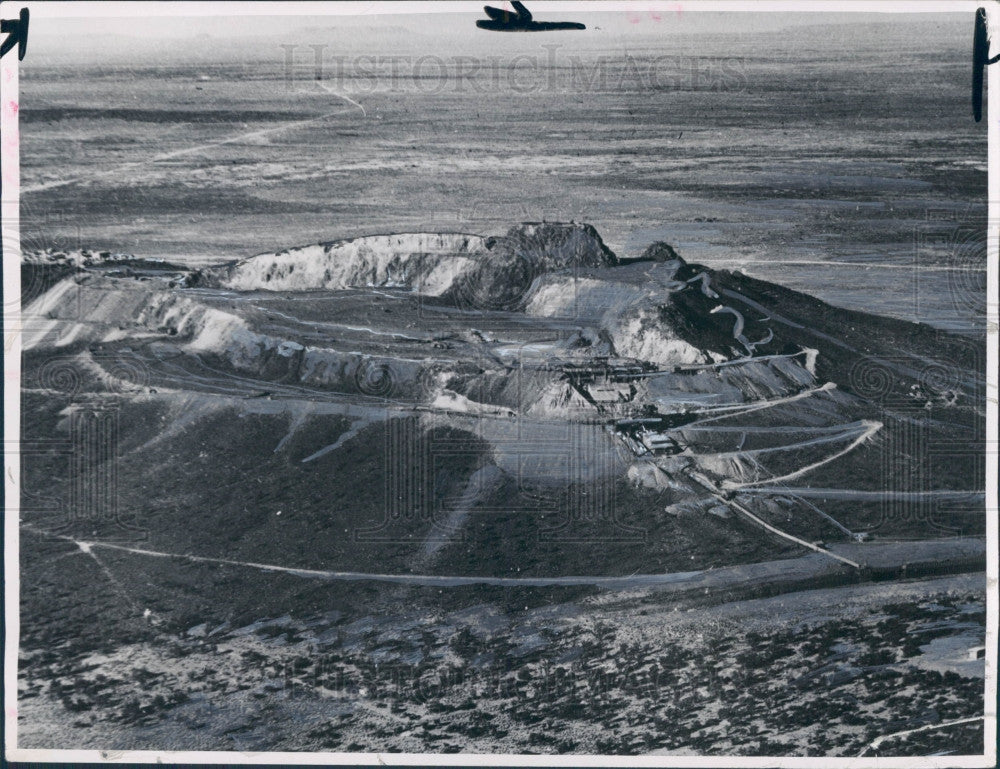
pixel 832 686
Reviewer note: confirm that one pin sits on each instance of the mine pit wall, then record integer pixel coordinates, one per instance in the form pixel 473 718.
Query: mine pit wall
pixel 94 314
pixel 94 311
pixel 579 298
pixel 557 245
pixel 515 390
pixel 426 263
pixel 635 332
pixel 271 360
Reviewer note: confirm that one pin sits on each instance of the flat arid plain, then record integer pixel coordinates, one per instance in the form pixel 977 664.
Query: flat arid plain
pixel 391 385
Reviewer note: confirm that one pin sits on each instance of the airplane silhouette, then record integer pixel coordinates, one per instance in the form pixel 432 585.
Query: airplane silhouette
pixel 521 21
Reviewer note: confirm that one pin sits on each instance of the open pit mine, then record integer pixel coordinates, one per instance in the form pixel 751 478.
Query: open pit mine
pixel 521 441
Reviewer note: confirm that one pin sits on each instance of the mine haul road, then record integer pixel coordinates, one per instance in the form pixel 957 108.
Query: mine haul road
pixel 898 559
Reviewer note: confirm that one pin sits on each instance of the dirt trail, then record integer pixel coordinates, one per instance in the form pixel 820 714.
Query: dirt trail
pixel 816 565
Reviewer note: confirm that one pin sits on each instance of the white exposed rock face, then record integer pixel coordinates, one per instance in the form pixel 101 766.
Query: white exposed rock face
pixel 648 475
pixel 452 401
pixel 426 263
pixel 79 258
pixel 628 312
pixel 646 338
pixel 559 399
pixel 432 264
pixel 564 296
